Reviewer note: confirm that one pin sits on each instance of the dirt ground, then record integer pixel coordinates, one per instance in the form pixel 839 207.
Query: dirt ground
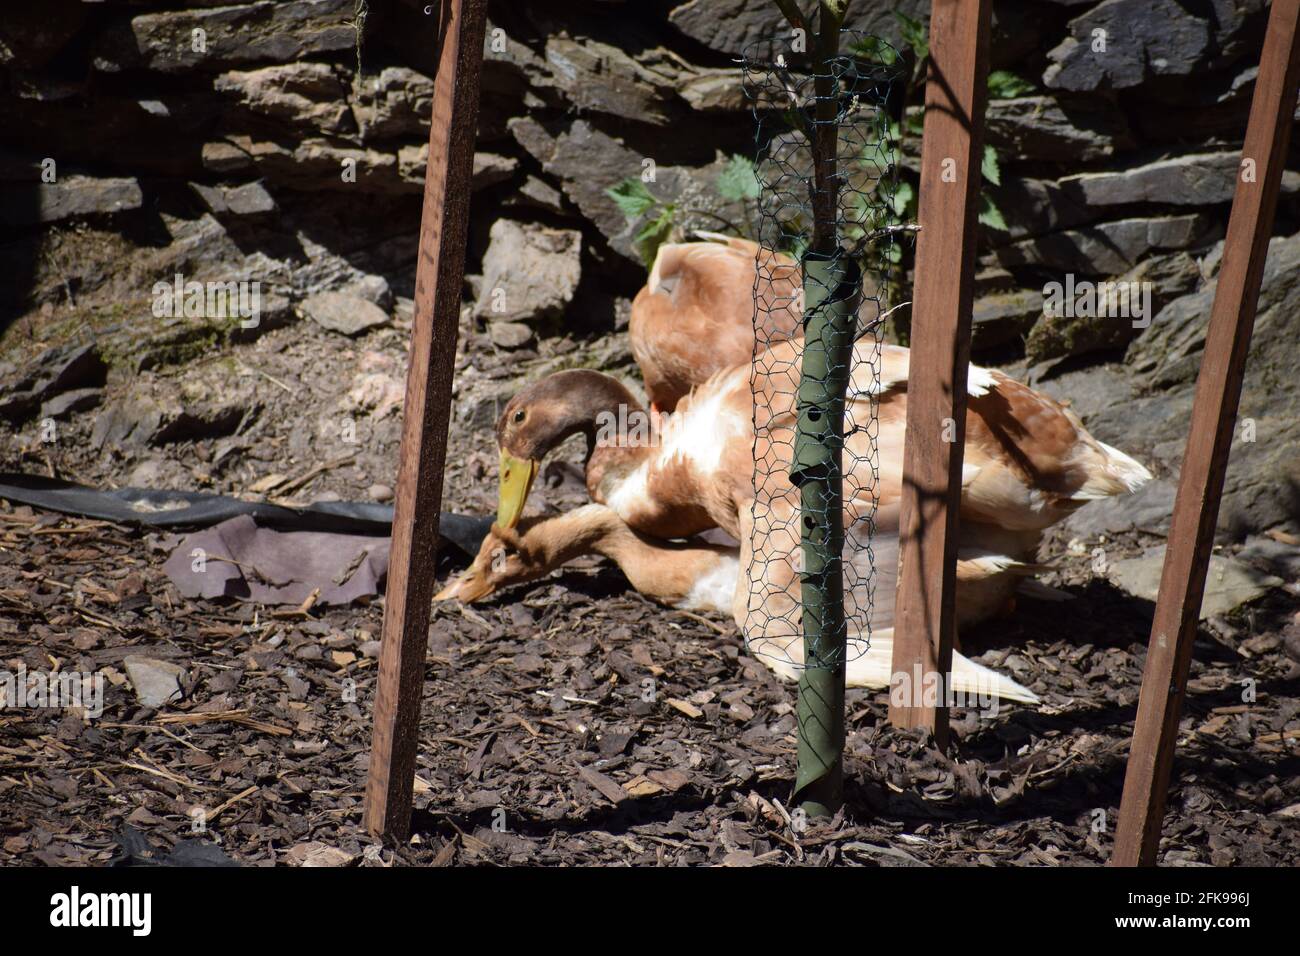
pixel 540 743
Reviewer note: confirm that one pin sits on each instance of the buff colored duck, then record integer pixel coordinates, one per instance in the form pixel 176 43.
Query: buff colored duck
pixel 697 312
pixel 1028 460
pixel 1028 463
pixel 695 575
pixel 695 315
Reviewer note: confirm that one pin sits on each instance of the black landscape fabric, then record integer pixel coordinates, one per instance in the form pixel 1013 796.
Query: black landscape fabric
pixel 194 509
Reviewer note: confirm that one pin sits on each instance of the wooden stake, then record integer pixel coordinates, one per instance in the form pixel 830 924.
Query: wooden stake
pixel 438 279
pixel 951 150
pixel 1214 413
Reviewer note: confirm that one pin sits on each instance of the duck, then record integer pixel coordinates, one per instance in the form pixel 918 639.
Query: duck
pixel 697 312
pixel 709 304
pixel 1028 461
pixel 695 575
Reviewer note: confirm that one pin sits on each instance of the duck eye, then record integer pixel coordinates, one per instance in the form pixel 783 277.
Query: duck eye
pixel 520 415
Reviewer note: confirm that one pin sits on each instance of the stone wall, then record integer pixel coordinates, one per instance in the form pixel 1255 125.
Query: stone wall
pixel 1116 160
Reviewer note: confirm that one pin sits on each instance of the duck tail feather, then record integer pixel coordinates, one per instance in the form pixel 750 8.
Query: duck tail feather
pixel 1128 470
pixel 979 381
pixel 714 237
pixel 976 680
pixel 872 667
pixel 1114 473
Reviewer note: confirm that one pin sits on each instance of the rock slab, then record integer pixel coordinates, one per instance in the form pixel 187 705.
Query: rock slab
pixel 530 272
pixel 155 682
pixel 343 313
pixel 1228 585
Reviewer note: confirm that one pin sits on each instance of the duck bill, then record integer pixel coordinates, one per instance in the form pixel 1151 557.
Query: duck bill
pixel 516 481
pixel 472 586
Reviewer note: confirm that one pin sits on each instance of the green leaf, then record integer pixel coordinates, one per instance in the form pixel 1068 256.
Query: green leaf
pixel 989 167
pixel 738 180
pixel 877 158
pixel 654 234
pixel 874 50
pixel 990 214
pixel 798 246
pixel 903 198
pixel 1005 85
pixel 913 33
pixel 632 197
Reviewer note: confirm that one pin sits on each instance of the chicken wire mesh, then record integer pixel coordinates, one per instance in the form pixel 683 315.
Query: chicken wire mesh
pixel 819 309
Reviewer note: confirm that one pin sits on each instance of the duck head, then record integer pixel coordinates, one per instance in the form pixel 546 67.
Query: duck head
pixel 504 559
pixel 510 556
pixel 542 416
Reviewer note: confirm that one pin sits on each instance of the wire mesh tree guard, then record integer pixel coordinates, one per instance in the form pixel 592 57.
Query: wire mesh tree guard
pixel 827 181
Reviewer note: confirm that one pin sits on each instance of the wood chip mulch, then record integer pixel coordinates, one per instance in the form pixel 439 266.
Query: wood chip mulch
pixel 576 723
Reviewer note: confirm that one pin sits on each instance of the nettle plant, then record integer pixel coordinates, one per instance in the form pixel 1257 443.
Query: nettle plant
pixel 888 205
pixel 695 208
pixel 900 205
pixel 1002 84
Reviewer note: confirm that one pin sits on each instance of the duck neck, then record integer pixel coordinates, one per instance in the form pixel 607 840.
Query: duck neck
pixel 664 571
pixel 624 435
pixel 582 402
pixel 591 529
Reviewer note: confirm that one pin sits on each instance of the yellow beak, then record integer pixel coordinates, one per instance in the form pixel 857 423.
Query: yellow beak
pixel 516 481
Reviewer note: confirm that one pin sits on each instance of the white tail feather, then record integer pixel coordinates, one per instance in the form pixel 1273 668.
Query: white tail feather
pixel 1115 474
pixel 979 380
pixel 872 667
pixel 714 236
pixel 988 562
pixel 1132 473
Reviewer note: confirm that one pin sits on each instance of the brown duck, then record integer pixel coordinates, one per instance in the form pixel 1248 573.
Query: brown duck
pixel 1028 463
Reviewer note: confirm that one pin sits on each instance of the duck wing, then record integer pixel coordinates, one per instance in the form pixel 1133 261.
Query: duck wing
pixel 769 614
pixel 1028 461
pixel 695 315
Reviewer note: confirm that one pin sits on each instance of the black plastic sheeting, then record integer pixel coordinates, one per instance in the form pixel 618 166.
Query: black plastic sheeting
pixel 135 849
pixel 196 509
